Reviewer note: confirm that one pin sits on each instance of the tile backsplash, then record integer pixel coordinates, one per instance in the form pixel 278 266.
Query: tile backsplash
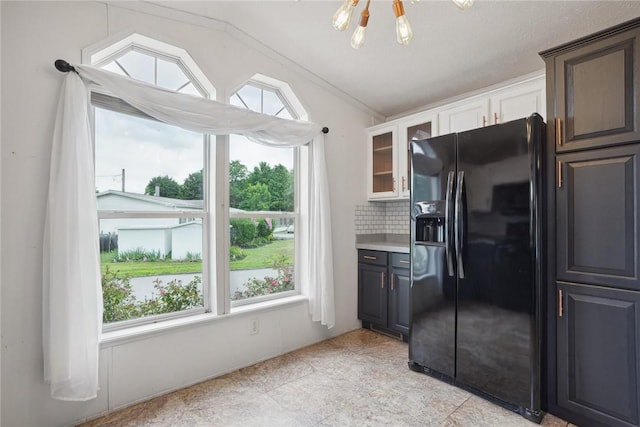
pixel 383 217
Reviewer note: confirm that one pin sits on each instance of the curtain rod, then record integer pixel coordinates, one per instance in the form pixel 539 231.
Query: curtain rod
pixel 64 67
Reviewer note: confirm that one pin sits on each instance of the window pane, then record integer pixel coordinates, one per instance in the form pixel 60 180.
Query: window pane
pixel 114 68
pixel 150 266
pixel 261 257
pixel 139 66
pixel 170 75
pixel 190 89
pixel 272 103
pixel 260 177
pixel 251 96
pixel 145 165
pixel 284 114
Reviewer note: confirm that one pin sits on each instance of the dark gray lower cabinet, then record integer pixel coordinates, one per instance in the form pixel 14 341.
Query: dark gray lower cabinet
pixel 399 293
pixel 383 291
pixel 597 346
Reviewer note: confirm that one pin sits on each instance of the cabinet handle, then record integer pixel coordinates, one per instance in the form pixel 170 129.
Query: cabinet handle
pixel 403 183
pixel 560 303
pixel 559 174
pixel 394 184
pixel 382 281
pixel 393 278
pixel 404 261
pixel 370 257
pixel 495 118
pixel 484 121
pixel 558 131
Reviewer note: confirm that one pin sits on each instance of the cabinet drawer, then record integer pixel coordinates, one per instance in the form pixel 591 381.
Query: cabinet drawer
pixel 372 257
pixel 399 260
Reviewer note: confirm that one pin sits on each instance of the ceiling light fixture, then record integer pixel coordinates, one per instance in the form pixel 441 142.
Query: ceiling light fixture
pixel 404 34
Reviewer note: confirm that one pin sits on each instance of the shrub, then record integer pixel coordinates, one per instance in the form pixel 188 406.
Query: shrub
pixel 192 257
pixel 269 285
pixel 119 301
pixel 263 230
pixel 236 253
pixel 139 254
pixel 174 296
pixel 243 232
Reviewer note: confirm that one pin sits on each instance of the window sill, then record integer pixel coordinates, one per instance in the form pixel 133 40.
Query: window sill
pixel 122 336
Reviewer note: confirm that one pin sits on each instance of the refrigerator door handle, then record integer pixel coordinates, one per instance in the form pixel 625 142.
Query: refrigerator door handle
pixel 459 220
pixel 448 216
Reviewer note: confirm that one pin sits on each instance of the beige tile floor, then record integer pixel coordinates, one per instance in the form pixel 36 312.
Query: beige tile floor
pixel 356 379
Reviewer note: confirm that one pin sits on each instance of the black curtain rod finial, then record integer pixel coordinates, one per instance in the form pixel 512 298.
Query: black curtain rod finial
pixel 325 130
pixel 63 66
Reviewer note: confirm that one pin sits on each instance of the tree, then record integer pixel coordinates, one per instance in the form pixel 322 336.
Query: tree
pixel 168 187
pixel 237 183
pixel 192 187
pixel 256 198
pixel 281 188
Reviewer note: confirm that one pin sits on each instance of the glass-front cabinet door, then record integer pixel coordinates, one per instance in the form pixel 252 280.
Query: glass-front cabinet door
pixel 382 162
pixel 413 128
pixel 389 155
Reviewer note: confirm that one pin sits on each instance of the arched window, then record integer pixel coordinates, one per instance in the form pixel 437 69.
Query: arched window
pixel 151 192
pixel 263 187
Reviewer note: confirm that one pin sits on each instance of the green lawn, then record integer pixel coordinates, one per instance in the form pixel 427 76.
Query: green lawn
pixel 261 257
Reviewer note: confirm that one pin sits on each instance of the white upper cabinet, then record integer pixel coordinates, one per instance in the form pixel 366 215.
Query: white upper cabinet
pixel 412 128
pixel 382 162
pixel 389 155
pixel 468 115
pixel 518 102
pixel 388 144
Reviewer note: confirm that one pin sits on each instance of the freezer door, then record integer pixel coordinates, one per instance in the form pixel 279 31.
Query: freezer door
pixel 433 287
pixel 495 331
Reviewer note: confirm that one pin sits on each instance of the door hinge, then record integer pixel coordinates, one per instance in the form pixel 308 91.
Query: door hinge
pixel 558 131
pixel 560 303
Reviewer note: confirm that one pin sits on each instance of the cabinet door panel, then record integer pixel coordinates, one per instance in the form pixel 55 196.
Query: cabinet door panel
pixel 597 217
pixel 596 87
pixel 470 115
pixel 372 293
pixel 598 343
pixel 399 303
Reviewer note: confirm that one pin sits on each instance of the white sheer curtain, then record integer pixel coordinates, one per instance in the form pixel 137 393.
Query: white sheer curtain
pixel 72 291
pixel 72 295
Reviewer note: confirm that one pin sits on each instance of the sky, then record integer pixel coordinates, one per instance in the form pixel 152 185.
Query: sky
pixel 147 148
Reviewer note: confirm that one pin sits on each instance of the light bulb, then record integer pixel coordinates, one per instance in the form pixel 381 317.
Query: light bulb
pixel 463 4
pixel 342 17
pixel 357 39
pixel 404 33
pixel 403 30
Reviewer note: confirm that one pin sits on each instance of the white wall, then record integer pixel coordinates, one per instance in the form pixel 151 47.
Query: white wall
pixel 134 370
pixel 0 215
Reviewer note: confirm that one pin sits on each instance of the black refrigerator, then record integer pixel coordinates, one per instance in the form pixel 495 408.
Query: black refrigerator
pixel 476 266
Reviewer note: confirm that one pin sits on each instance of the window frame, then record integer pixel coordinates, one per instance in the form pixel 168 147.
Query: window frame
pixel 204 215
pixel 284 93
pixel 100 98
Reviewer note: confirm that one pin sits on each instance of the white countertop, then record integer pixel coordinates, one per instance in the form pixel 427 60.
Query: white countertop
pixel 384 246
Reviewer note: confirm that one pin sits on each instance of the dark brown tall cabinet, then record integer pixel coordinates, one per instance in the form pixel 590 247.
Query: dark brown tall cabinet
pixel 592 220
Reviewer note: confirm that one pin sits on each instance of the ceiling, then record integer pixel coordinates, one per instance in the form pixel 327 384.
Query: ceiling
pixel 452 51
